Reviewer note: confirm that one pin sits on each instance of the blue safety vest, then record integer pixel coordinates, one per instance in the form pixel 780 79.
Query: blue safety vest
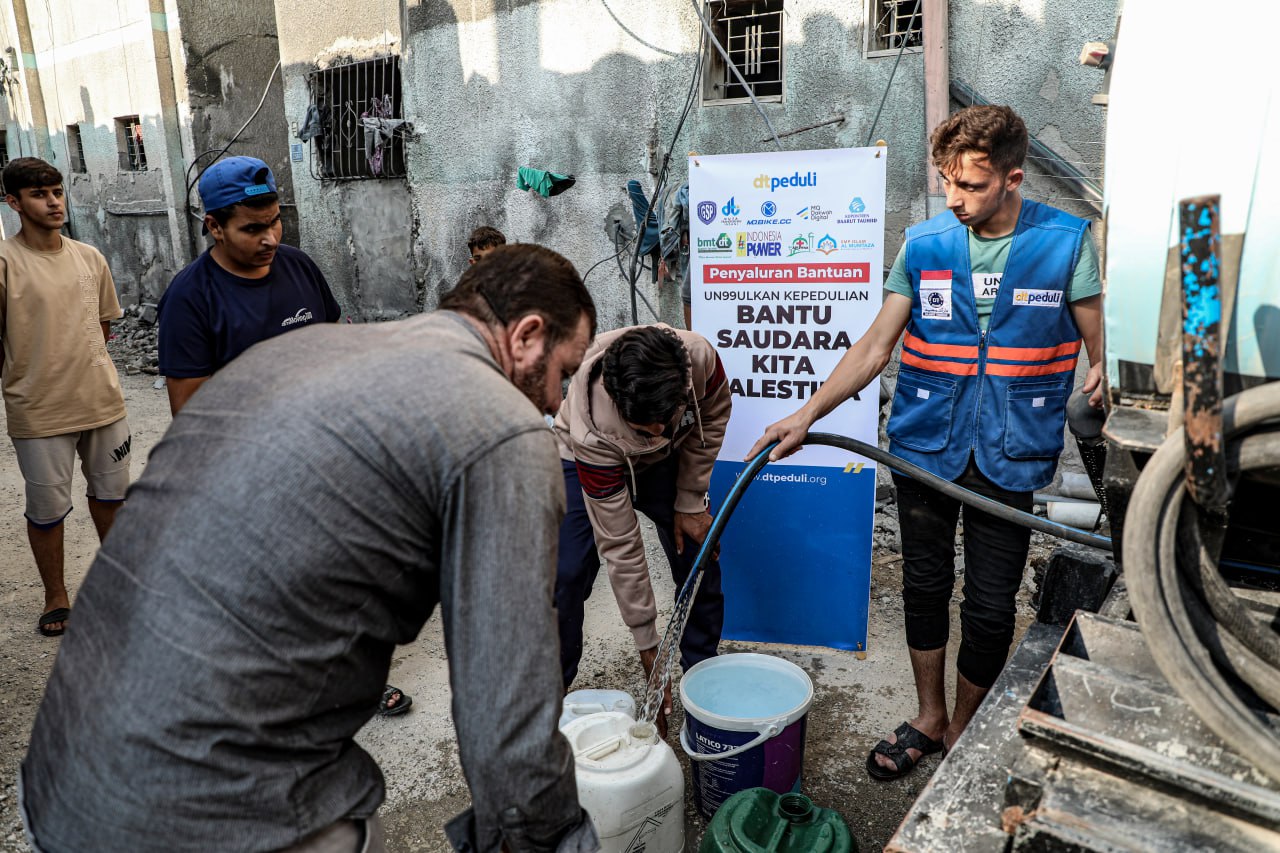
pixel 1000 394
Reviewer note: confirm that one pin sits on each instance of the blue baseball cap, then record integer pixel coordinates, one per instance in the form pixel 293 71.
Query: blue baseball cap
pixel 235 180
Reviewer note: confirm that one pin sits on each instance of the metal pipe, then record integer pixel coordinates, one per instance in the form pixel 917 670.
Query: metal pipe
pixel 835 120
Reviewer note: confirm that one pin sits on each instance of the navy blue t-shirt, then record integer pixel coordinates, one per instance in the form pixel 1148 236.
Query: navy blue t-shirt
pixel 209 316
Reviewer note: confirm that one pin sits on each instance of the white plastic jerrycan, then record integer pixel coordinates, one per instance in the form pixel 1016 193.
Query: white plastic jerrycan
pixel 579 703
pixel 630 783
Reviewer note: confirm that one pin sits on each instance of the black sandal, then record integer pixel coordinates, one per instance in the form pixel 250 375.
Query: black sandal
pixel 909 737
pixel 394 702
pixel 58 614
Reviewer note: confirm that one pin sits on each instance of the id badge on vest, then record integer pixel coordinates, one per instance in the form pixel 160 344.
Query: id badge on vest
pixel 986 285
pixel 935 294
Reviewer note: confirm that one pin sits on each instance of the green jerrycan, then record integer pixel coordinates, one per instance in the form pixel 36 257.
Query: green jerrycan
pixel 758 820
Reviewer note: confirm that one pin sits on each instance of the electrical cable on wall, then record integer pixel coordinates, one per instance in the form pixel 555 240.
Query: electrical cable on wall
pixel 634 273
pixel 191 182
pixel 871 134
pixel 702 19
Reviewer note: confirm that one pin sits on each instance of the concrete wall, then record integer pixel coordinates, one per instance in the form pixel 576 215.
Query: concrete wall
pixel 228 54
pixel 592 89
pixel 93 63
pixel 360 233
pixel 1025 53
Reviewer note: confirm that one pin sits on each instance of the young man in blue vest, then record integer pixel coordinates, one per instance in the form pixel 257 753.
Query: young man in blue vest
pixel 995 296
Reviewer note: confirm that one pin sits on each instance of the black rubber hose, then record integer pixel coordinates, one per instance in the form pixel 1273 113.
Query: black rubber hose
pixel 870 451
pixel 960 493
pixel 1187 643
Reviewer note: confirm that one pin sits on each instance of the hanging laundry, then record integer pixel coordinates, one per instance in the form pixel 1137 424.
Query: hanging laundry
pixel 379 129
pixel 542 182
pixel 311 127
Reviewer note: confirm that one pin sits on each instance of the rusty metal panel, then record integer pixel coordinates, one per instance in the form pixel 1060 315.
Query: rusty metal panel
pixel 1200 250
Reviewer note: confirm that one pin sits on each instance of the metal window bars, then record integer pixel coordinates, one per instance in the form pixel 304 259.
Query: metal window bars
pixel 362 129
pixel 897 22
pixel 75 149
pixel 4 148
pixel 751 32
pixel 133 156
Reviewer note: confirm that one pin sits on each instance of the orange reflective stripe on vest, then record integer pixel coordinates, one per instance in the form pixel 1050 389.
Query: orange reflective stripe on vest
pixel 1033 353
pixel 956 368
pixel 940 350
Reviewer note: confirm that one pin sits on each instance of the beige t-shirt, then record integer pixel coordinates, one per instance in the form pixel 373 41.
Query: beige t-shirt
pixel 57 375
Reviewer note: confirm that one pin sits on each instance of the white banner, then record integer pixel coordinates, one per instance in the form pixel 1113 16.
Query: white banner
pixel 788 258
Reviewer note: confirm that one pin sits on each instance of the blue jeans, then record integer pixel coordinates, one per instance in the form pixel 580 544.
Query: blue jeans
pixel 579 563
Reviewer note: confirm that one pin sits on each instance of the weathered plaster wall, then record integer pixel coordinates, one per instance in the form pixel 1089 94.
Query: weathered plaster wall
pixel 1025 53
pixel 96 63
pixel 360 233
pixel 591 88
pixel 229 51
pixel 587 88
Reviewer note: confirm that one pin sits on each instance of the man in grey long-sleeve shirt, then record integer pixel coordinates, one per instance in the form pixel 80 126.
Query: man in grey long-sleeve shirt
pixel 303 516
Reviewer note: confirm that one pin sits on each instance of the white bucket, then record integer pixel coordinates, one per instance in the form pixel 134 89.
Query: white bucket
pixel 745 721
pixel 630 783
pixel 580 703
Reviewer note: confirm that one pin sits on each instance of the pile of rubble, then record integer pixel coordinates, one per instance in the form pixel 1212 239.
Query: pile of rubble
pixel 133 343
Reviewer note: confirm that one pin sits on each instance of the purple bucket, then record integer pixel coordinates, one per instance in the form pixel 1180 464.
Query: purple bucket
pixel 745 718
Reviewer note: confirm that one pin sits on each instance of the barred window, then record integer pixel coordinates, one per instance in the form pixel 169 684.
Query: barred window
pixel 4 148
pixel 751 33
pixel 75 148
pixel 893 24
pixel 356 126
pixel 133 156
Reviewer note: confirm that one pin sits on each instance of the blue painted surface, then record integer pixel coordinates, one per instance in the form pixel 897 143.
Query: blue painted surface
pixel 796 556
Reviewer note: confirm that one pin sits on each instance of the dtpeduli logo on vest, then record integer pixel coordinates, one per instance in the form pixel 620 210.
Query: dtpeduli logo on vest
pixel 1037 298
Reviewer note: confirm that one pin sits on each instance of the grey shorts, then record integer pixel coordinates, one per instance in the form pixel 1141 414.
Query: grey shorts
pixel 48 465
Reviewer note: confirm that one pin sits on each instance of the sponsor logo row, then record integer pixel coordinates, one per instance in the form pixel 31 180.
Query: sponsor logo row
pixel 731 213
pixel 770 244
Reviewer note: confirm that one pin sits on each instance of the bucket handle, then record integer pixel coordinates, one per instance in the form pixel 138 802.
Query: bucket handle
pixel 767 732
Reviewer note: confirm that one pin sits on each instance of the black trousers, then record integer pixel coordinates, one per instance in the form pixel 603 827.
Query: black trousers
pixel 579 563
pixel 995 556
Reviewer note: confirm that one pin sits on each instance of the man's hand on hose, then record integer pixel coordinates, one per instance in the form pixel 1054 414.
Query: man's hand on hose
pixel 648 657
pixel 788 432
pixel 696 526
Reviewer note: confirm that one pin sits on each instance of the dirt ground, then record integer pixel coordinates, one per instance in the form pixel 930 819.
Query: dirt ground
pixel 857 701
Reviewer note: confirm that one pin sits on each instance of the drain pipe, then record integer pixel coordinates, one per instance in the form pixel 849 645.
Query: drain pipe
pixel 937 104
pixel 1052 161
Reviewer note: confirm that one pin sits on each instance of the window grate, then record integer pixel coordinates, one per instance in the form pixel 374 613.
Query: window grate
pixel 4 148
pixel 132 153
pixel 361 128
pixel 751 32
pixel 895 23
pixel 75 149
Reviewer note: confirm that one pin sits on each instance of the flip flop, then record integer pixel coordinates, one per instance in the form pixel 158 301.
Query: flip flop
pixel 909 737
pixel 58 614
pixel 401 705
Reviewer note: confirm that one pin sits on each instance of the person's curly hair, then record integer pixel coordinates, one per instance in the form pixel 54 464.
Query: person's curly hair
pixel 646 374
pixel 995 133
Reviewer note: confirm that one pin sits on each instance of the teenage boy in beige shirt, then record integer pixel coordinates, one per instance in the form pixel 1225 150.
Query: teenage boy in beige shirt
pixel 61 391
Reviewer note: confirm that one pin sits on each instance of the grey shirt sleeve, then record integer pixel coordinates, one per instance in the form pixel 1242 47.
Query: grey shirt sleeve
pixel 500 534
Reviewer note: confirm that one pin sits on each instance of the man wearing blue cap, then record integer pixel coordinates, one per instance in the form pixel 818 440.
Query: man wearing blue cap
pixel 248 287
pixel 245 289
